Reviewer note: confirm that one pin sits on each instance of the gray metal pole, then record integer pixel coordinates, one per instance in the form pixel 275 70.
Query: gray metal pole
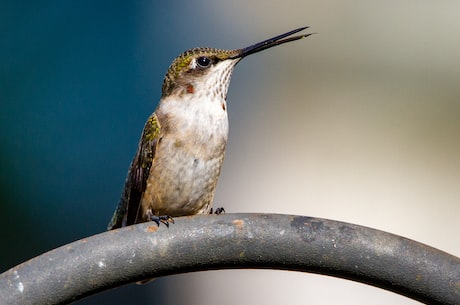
pixel 210 242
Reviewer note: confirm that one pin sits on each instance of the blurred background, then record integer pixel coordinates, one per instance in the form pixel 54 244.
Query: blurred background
pixel 360 123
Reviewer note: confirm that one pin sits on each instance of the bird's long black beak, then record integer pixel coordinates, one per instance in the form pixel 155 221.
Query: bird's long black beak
pixel 266 44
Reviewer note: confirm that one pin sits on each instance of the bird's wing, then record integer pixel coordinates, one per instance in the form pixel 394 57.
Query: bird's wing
pixel 129 205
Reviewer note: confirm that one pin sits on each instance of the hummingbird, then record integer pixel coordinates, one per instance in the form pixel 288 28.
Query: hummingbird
pixel 181 150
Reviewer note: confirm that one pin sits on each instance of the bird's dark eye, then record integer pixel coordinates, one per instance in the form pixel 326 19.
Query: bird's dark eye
pixel 203 61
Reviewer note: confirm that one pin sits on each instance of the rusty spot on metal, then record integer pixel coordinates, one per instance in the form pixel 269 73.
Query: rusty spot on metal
pixel 239 223
pixel 151 229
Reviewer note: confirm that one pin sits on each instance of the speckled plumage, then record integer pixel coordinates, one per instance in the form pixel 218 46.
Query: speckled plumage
pixel 181 65
pixel 182 147
pixel 178 162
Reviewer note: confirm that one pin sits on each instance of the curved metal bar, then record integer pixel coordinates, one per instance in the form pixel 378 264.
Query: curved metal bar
pixel 210 242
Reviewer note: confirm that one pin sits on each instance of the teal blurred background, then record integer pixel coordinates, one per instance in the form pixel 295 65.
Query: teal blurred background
pixel 359 123
pixel 78 79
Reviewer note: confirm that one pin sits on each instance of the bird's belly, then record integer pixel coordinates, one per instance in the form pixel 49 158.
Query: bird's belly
pixel 183 178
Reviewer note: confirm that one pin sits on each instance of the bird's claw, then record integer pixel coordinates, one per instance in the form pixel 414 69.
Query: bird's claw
pixel 165 219
pixel 218 211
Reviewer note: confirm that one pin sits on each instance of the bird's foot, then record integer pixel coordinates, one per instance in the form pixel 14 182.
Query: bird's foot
pixel 164 219
pixel 218 211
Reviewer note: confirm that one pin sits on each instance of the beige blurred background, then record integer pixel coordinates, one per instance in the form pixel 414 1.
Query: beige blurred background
pixel 359 123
